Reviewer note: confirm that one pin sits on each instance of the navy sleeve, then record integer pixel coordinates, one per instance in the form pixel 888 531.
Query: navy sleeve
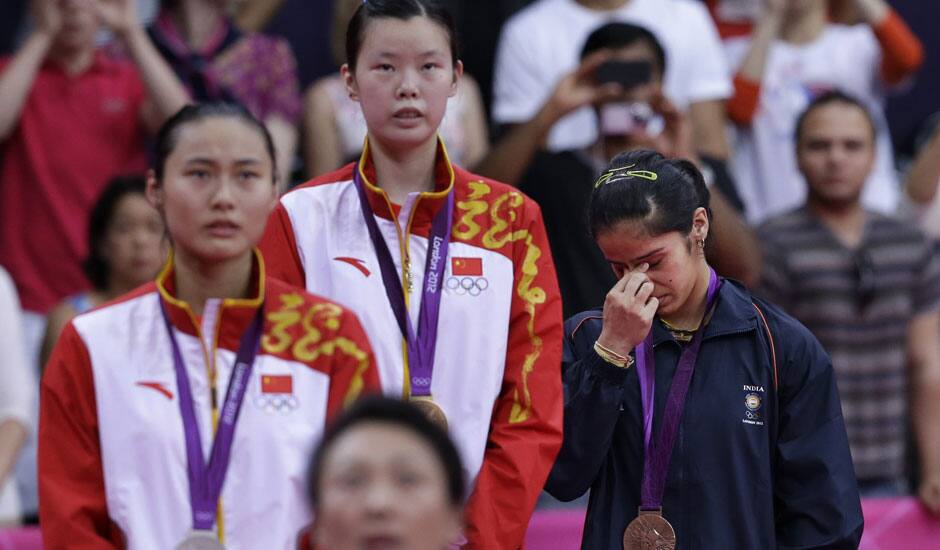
pixel 815 496
pixel 593 394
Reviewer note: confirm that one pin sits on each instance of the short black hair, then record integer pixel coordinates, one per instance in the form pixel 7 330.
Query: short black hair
pixel 829 98
pixel 613 36
pixel 384 410
pixel 169 132
pixel 643 185
pixel 397 9
pixel 95 266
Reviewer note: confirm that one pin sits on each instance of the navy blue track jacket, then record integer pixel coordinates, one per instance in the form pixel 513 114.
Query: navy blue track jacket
pixel 755 466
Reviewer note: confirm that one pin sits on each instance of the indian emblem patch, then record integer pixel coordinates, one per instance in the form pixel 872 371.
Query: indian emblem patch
pixel 753 405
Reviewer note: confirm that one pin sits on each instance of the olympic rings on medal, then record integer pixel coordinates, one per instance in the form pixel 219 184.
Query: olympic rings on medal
pixel 474 286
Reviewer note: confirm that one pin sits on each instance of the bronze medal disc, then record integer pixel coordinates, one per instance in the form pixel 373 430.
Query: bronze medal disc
pixel 649 531
pixel 431 409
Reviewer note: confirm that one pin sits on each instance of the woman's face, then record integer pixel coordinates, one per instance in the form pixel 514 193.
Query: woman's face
pixel 674 258
pixel 403 78
pixel 383 487
pixel 217 189
pixel 133 245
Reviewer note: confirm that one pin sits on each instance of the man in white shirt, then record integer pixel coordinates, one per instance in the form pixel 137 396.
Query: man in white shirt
pixel 540 44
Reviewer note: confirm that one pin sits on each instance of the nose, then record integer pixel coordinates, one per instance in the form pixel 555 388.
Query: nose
pixel 224 196
pixel 408 86
pixel 380 498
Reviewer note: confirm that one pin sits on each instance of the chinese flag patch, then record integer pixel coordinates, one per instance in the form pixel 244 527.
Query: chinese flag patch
pixel 469 267
pixel 277 384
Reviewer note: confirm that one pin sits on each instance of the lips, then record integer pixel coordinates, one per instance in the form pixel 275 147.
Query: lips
pixel 408 113
pixel 223 228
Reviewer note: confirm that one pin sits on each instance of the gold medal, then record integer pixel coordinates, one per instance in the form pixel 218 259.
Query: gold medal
pixel 431 410
pixel 649 531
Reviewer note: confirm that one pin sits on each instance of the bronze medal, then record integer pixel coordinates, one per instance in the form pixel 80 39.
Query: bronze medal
pixel 432 410
pixel 649 531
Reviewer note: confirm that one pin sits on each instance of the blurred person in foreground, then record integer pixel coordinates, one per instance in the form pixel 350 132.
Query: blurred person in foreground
pixel 385 475
pixel 868 286
pixel 126 248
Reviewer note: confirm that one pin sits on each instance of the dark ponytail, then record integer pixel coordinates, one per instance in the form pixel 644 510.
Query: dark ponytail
pixel 396 9
pixel 644 186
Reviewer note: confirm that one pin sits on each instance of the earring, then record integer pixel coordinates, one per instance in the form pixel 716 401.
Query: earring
pixel 701 243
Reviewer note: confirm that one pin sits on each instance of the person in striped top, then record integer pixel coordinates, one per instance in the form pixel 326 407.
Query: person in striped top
pixel 868 287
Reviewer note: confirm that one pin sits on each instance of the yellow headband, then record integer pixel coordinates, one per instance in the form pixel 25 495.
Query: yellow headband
pixel 624 172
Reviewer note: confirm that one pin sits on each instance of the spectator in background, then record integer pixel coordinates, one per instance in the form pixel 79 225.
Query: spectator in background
pixel 384 472
pixel 126 248
pixel 923 178
pixel 736 18
pixel 868 286
pixel 217 61
pixel 793 55
pixel 540 44
pixel 71 118
pixel 634 118
pixel 17 396
pixel 334 128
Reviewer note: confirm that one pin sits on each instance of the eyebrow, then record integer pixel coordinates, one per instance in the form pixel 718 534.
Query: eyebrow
pixel 427 53
pixel 637 260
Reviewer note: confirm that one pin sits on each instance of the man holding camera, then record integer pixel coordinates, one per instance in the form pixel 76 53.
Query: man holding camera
pixel 621 76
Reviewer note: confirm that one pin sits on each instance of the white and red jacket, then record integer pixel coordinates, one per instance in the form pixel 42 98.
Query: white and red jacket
pixel 497 361
pixel 112 456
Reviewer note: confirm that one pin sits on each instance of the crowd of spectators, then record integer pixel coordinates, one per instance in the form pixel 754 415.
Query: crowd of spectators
pixel 780 103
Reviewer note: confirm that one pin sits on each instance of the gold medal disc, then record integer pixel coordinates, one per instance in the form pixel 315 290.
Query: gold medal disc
pixel 432 410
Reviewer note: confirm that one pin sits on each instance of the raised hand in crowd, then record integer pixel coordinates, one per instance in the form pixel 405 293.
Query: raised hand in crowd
pixel 508 159
pixel 48 17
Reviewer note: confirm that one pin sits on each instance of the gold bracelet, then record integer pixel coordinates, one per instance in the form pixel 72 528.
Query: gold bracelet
pixel 612 357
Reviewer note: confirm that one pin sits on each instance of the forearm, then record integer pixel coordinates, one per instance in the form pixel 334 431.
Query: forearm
pixel 872 12
pixel 766 31
pixel 165 91
pixel 924 176
pixel 17 79
pixel 593 394
pixel 508 160
pixel 709 136
pixel 735 252
pixel 255 15
pixel 12 437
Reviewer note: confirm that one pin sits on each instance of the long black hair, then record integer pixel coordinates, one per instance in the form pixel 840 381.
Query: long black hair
pixel 95 266
pixel 169 132
pixel 384 410
pixel 661 193
pixel 397 9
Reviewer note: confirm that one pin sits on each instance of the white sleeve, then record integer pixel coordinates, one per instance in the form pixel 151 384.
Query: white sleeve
pixel 518 87
pixel 17 381
pixel 706 75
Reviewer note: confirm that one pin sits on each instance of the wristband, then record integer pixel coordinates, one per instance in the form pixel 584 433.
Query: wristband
pixel 612 357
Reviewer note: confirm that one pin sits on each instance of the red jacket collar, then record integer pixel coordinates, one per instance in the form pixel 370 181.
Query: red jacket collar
pixel 235 313
pixel 426 205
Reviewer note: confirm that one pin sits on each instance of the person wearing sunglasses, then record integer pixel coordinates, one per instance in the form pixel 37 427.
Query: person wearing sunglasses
pixel 868 286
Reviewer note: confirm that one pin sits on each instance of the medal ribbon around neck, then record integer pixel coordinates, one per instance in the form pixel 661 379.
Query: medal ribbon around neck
pixel 657 454
pixel 423 341
pixel 205 482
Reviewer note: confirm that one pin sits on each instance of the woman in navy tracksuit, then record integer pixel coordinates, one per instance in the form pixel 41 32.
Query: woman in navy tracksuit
pixel 759 457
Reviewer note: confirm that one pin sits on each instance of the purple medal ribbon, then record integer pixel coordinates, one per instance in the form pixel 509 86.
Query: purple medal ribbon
pixel 205 483
pixel 658 455
pixel 423 341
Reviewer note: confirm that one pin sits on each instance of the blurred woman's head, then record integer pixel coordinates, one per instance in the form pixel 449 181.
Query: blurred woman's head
pixel 214 180
pixel 648 209
pixel 125 237
pixel 386 475
pixel 402 66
